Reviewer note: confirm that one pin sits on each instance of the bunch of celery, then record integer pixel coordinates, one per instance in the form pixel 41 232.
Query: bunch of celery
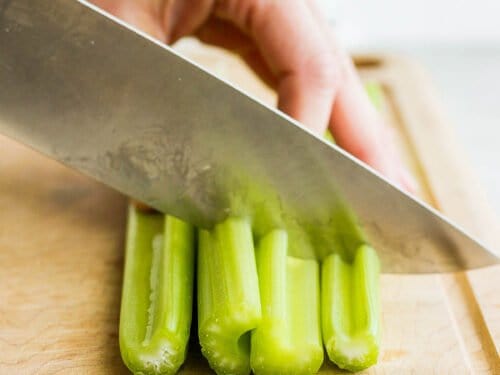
pixel 259 309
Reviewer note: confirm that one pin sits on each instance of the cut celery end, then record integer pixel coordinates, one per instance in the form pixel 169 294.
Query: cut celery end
pixel 228 295
pixel 288 340
pixel 156 306
pixel 351 309
pixel 353 353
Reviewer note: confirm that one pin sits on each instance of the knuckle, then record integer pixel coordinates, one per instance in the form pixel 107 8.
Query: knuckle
pixel 242 12
pixel 322 69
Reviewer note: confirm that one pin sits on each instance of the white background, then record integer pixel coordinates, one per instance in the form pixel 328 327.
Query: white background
pixel 386 22
pixel 458 42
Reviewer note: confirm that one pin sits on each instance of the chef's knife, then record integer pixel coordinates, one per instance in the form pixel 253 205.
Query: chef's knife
pixel 99 96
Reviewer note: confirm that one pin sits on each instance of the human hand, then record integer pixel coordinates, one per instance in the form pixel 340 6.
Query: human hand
pixel 291 47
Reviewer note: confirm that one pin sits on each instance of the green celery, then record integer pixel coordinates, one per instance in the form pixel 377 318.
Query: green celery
pixel 328 136
pixel 350 304
pixel 228 295
pixel 156 306
pixel 350 296
pixel 288 340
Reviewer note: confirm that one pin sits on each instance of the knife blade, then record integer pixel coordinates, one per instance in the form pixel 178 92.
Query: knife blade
pixel 94 93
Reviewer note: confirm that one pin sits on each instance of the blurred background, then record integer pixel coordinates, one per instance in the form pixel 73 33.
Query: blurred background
pixel 458 42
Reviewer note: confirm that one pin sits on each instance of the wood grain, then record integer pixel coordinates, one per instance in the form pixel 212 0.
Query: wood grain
pixel 61 251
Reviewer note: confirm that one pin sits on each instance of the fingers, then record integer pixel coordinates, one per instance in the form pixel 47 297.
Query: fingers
pixel 361 130
pixel 143 14
pixel 226 35
pixel 186 17
pixel 356 124
pixel 165 20
pixel 293 47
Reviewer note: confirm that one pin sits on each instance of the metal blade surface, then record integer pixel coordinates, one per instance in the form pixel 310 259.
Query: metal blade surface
pixel 97 95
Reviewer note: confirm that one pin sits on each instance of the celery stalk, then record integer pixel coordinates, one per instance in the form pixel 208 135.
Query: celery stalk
pixel 351 309
pixel 228 295
pixel 288 340
pixel 156 306
pixel 350 297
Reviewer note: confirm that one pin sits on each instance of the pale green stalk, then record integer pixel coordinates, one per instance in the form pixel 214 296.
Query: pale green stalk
pixel 288 340
pixel 156 306
pixel 228 295
pixel 350 304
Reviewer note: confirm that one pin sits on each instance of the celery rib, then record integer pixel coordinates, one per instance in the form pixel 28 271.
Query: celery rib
pixel 350 300
pixel 156 306
pixel 288 340
pixel 351 309
pixel 228 295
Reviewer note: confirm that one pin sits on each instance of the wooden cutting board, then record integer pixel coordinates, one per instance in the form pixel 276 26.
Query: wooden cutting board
pixel 61 251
